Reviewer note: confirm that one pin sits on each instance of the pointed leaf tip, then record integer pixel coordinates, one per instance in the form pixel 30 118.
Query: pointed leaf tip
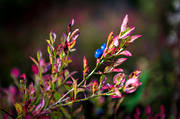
pixel 127 33
pixel 84 62
pixel 124 23
pixel 72 22
pixel 126 53
pixel 133 38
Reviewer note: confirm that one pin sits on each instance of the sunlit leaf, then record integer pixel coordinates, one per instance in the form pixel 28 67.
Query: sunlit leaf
pixel 126 53
pixel 133 38
pixel 75 88
pixel 18 108
pixel 109 39
pixel 124 23
pixel 127 33
pixel 94 87
pixel 119 61
pixel 34 60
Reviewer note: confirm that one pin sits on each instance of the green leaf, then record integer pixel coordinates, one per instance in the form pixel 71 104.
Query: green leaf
pixel 80 90
pixel 18 108
pixel 101 79
pixel 51 38
pixel 75 88
pixel 57 96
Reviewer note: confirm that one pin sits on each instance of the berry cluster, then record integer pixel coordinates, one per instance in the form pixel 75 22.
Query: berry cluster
pixel 99 52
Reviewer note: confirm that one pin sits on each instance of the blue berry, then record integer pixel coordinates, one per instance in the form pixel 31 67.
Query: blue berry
pixel 98 53
pixel 103 46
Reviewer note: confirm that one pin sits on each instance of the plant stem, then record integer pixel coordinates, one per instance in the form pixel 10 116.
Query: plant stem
pixel 84 99
pixel 90 74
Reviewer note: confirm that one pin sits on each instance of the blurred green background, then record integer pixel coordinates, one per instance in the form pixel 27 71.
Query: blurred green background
pixel 25 25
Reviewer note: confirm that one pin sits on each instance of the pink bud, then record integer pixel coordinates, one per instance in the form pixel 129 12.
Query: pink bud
pixel 23 76
pixel 35 69
pixel 15 72
pixel 42 63
pixel 72 22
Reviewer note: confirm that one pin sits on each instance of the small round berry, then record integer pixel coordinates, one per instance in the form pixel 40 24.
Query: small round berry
pixel 103 46
pixel 98 53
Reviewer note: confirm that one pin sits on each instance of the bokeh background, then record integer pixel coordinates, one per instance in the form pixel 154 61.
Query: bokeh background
pixel 25 25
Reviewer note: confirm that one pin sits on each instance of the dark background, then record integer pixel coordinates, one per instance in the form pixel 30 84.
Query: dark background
pixel 25 25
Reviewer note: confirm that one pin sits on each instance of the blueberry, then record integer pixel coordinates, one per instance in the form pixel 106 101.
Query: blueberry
pixel 98 53
pixel 103 46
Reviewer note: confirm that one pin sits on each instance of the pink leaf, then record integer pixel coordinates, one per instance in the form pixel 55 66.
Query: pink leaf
pixel 117 92
pixel 69 82
pixel 135 74
pixel 126 53
pixel 119 80
pixel 127 33
pixel 38 107
pixel 124 23
pixel 23 76
pixel 72 22
pixel 119 61
pixel 31 89
pixel 117 70
pixel 131 85
pixel 133 38
pixel 115 40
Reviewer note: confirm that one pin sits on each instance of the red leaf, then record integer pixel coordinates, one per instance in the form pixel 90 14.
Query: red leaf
pixel 94 87
pixel 85 66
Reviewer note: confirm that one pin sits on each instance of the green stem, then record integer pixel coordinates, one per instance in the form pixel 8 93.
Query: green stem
pixel 73 88
pixel 80 100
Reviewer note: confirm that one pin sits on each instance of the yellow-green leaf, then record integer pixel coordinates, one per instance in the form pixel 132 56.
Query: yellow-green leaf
pixel 18 108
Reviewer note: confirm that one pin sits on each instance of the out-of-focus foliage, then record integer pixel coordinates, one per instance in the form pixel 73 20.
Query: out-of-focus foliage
pixel 25 27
